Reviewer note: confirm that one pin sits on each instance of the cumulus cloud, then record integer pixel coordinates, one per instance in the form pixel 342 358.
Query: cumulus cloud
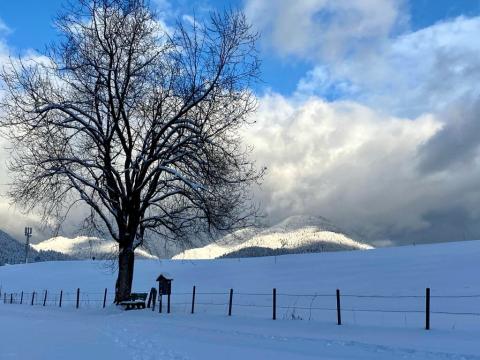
pixel 325 28
pixel 342 160
pixel 456 145
pixel 411 74
pixel 433 70
pixel 364 51
pixel 360 168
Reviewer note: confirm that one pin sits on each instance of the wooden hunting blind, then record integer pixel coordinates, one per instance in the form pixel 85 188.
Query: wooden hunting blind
pixel 164 285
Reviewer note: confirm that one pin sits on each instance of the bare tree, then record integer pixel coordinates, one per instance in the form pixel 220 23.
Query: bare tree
pixel 137 121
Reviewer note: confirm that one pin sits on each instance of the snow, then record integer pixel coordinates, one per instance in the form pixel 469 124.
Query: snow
pixel 84 247
pixel 295 234
pixel 114 334
pixel 92 332
pixel 301 233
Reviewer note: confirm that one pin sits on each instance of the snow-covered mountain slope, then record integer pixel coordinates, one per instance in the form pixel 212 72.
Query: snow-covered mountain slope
pixel 388 279
pixel 13 252
pixel 84 247
pixel 296 234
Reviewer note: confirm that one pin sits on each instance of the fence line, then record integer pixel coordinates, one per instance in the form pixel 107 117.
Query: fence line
pixel 250 300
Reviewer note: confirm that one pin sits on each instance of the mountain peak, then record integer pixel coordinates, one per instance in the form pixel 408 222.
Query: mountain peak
pixel 295 234
pixel 296 222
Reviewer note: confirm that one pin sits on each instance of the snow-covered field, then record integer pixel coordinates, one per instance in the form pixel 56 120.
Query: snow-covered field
pixel 396 277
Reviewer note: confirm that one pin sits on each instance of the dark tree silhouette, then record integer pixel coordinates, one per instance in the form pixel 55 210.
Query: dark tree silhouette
pixel 137 121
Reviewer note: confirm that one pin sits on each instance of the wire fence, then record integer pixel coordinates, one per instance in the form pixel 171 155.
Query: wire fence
pixel 410 309
pixel 61 298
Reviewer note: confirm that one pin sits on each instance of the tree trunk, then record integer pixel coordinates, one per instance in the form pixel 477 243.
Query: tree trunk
pixel 123 285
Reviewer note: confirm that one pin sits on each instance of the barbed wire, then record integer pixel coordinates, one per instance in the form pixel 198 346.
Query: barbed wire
pixel 305 308
pixel 384 296
pixel 455 313
pixel 206 293
pixel 253 294
pixel 213 304
pixel 253 305
pixel 305 295
pixel 83 293
pixel 456 296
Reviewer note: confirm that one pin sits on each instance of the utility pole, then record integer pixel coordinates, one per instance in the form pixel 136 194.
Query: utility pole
pixel 28 234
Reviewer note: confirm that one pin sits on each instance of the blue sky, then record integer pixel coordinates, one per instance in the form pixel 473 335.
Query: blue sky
pixel 369 110
pixel 31 27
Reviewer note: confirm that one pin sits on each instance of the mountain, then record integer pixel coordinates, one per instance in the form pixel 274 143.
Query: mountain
pixel 84 247
pixel 296 234
pixel 13 252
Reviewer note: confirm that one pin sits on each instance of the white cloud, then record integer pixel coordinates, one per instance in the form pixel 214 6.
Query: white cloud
pixel 326 29
pixel 163 5
pixel 417 72
pixel 342 160
pixel 363 50
pixel 360 168
pixel 4 29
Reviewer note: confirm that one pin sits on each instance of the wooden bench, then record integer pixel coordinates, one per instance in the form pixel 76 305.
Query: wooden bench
pixel 136 300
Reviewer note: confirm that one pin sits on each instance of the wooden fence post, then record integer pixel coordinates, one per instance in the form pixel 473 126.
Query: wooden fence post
pixel 21 299
pixel 150 295
pixel 78 297
pixel 427 309
pixel 105 298
pixel 61 298
pixel 274 317
pixel 45 298
pixel 154 298
pixel 193 300
pixel 230 302
pixel 11 298
pixel 33 298
pixel 160 305
pixel 339 314
pixel 168 303
pixel 4 297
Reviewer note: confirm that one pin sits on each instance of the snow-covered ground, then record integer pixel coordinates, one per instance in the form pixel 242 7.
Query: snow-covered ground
pixel 38 333
pixel 396 277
